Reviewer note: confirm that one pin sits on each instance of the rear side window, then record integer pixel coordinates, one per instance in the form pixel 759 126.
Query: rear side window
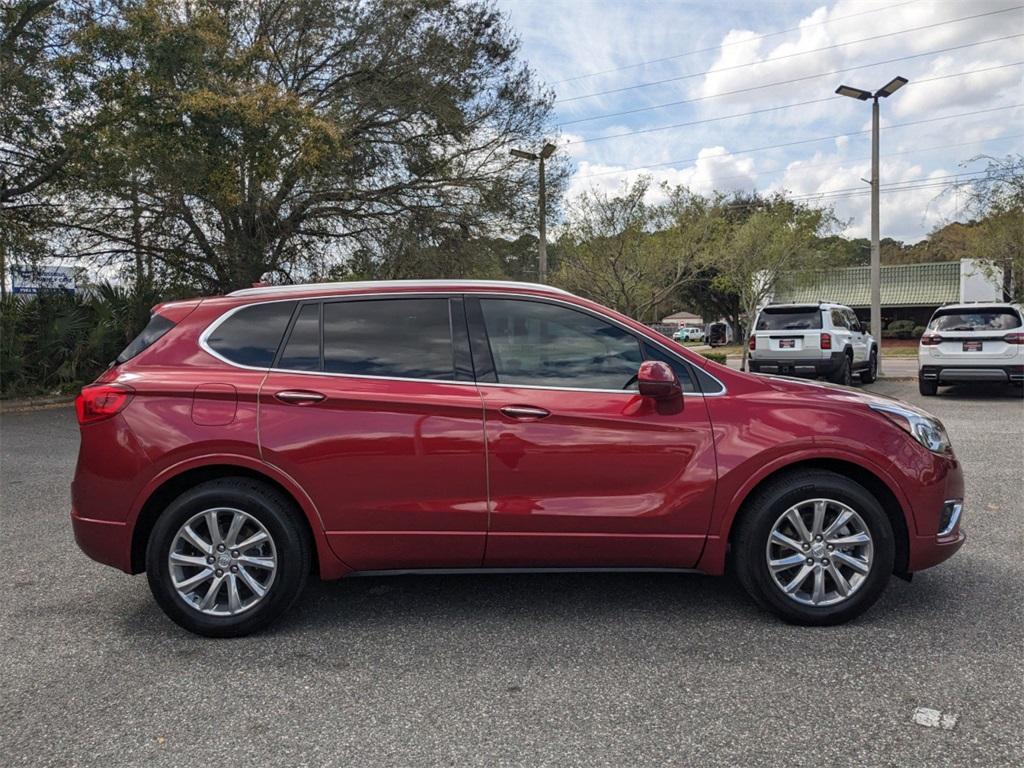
pixel 302 350
pixel 789 319
pixel 251 335
pixel 404 338
pixel 981 319
pixel 157 326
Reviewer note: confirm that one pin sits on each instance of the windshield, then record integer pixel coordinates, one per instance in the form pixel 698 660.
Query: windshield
pixel 789 319
pixel 995 319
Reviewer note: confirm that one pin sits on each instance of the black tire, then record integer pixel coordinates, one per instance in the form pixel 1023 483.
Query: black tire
pixel 274 512
pixel 869 374
pixel 927 387
pixel 844 375
pixel 754 528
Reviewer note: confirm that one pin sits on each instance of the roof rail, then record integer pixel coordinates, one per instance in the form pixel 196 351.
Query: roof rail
pixel 365 284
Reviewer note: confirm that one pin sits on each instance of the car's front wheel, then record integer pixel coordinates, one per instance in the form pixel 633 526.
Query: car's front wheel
pixel 816 548
pixel 227 557
pixel 869 374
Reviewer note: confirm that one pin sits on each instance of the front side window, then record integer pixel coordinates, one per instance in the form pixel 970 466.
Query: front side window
pixel 404 338
pixel 981 319
pixel 839 319
pixel 539 344
pixel 252 335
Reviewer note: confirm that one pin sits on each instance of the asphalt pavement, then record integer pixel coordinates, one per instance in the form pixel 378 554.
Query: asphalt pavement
pixel 538 670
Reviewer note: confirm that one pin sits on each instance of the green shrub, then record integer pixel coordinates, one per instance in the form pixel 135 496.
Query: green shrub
pixel 716 357
pixel 918 331
pixel 899 329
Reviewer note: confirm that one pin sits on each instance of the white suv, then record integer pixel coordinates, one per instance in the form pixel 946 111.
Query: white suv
pixel 813 339
pixel 972 342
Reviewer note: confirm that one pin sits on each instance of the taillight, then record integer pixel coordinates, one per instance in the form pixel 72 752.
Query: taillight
pixel 931 340
pixel 1014 338
pixel 826 341
pixel 752 342
pixel 101 401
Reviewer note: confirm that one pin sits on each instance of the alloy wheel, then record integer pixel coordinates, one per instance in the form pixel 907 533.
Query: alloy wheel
pixel 222 561
pixel 819 552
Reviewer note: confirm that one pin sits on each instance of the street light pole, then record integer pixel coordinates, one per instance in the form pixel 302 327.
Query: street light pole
pixel 542 207
pixel 876 249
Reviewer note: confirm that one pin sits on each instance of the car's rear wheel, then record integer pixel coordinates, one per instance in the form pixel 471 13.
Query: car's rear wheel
pixel 844 375
pixel 869 374
pixel 927 387
pixel 815 548
pixel 227 557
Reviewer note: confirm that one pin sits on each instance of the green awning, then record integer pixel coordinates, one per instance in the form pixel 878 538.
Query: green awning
pixel 903 285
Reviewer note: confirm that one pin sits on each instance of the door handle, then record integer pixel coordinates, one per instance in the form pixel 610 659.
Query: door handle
pixel 299 397
pixel 524 412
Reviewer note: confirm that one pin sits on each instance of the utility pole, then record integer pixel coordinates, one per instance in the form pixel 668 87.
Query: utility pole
pixel 542 207
pixel 876 249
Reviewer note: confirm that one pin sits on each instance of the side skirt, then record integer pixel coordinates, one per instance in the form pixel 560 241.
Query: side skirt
pixel 487 571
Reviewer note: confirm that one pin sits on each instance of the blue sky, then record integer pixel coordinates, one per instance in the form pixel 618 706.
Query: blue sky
pixel 732 46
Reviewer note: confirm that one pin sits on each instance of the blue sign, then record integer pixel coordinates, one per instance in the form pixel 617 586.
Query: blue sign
pixel 32 280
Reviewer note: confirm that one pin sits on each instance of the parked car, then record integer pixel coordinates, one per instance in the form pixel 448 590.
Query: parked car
pixel 966 343
pixel 719 334
pixel 813 340
pixel 689 333
pixel 243 442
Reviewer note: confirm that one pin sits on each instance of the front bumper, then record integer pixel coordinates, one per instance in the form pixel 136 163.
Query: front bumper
pixel 952 374
pixel 824 366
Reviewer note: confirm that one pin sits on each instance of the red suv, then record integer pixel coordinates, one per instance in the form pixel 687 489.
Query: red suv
pixel 245 441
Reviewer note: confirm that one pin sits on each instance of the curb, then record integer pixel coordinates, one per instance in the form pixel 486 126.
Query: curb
pixel 35 403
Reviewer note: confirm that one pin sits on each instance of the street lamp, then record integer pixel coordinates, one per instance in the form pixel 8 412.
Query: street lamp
pixel 542 244
pixel 876 254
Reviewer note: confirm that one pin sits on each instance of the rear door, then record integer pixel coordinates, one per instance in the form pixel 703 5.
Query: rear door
pixel 975 336
pixel 788 333
pixel 583 471
pixel 371 407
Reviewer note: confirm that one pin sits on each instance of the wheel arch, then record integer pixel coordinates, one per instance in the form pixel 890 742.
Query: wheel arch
pixel 872 482
pixel 177 480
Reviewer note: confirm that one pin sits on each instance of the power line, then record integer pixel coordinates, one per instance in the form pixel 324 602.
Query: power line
pixel 745 41
pixel 816 166
pixel 802 141
pixel 786 82
pixel 916 83
pixel 677 78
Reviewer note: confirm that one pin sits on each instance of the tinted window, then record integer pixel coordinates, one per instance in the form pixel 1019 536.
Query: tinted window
pixel 252 335
pixel 652 352
pixel 546 345
pixel 789 319
pixel 852 319
pixel 302 350
pixel 839 319
pixel 994 319
pixel 408 338
pixel 157 326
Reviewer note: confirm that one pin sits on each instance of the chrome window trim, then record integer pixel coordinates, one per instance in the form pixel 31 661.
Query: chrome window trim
pixel 204 336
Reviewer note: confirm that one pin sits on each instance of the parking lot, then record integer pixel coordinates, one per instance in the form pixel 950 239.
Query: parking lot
pixel 616 669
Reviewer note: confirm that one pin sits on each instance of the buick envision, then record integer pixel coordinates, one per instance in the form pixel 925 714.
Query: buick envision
pixel 243 442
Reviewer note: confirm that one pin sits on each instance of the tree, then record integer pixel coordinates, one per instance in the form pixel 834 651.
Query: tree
pixel 278 137
pixel 632 254
pixel 780 237
pixel 998 199
pixel 45 117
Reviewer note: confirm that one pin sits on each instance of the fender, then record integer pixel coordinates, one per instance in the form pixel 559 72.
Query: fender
pixel 330 566
pixel 712 560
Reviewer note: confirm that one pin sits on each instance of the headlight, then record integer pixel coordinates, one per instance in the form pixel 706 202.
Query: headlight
pixel 927 431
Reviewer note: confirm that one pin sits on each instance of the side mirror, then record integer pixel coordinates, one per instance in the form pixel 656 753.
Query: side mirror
pixel 658 381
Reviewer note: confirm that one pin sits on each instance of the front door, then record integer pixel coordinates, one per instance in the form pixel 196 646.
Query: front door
pixel 583 471
pixel 382 425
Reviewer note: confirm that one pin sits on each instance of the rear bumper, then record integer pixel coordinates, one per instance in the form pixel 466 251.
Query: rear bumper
pixel 105 541
pixel 949 374
pixel 824 366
